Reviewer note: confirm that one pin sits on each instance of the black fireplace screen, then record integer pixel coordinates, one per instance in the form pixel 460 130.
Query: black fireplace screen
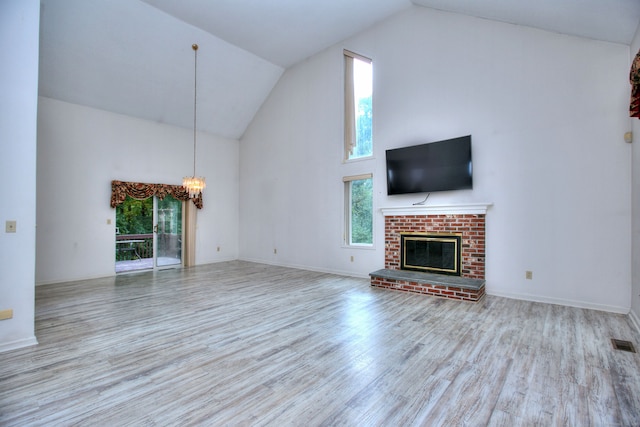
pixel 435 253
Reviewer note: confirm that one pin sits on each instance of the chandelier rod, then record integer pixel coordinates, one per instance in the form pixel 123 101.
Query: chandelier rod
pixel 195 103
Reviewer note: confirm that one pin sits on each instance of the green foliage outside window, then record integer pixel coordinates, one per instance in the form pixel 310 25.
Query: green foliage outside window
pixel 362 211
pixel 364 120
pixel 135 216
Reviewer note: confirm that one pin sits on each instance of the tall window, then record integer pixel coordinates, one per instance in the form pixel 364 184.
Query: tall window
pixel 358 114
pixel 359 209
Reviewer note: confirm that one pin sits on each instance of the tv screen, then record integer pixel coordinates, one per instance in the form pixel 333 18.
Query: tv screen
pixel 436 166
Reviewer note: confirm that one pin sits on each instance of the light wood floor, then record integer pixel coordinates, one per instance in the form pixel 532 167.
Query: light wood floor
pixel 239 343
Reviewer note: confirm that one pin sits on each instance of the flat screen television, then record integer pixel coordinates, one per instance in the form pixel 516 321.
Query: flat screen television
pixel 435 166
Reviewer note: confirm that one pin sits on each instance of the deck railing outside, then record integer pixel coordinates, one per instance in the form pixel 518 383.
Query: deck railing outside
pixel 134 246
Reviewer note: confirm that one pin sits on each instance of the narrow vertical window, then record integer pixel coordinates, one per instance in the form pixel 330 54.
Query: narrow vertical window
pixel 359 210
pixel 358 113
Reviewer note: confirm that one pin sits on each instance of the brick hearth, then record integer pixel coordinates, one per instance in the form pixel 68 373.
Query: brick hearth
pixel 467 220
pixel 437 285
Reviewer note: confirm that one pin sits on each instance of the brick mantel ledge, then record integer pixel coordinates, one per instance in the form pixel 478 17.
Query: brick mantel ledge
pixel 455 209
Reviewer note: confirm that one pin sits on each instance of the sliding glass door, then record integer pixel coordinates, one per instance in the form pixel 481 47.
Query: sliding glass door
pixel 148 234
pixel 168 232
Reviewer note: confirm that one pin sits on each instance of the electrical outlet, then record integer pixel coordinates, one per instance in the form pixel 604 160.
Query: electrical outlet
pixel 275 251
pixel 528 275
pixel 10 226
pixel 218 249
pixel 6 314
pixel 351 258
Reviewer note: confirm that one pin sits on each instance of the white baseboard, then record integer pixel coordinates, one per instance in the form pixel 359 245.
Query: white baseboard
pixel 75 279
pixel 114 274
pixel 309 268
pixel 216 260
pixel 635 320
pixel 560 301
pixel 14 345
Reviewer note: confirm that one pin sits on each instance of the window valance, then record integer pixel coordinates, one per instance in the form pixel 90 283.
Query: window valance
pixel 137 190
pixel 634 79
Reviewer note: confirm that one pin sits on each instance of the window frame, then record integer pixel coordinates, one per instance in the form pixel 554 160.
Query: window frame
pixel 349 107
pixel 348 227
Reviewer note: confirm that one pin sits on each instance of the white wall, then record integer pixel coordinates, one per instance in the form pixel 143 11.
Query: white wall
pixel 546 111
pixel 19 29
pixel 81 150
pixel 635 262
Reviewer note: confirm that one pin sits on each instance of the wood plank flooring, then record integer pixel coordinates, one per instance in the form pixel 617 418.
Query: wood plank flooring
pixel 246 344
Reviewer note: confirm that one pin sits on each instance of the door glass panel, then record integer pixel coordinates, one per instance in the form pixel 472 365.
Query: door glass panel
pixel 134 235
pixel 169 236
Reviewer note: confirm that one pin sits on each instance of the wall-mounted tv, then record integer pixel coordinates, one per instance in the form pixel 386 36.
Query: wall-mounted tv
pixel 435 166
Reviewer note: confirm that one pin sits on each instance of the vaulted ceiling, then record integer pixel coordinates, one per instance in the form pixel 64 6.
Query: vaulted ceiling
pixel 134 57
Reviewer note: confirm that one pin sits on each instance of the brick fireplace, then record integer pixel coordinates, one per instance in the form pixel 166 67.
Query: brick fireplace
pixel 466 221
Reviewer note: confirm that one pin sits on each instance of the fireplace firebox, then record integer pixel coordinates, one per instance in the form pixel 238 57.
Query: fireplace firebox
pixel 433 253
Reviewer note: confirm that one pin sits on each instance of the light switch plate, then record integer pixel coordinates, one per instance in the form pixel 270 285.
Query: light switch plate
pixel 10 227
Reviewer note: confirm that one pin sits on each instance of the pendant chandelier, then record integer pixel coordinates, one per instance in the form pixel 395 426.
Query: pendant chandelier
pixel 194 184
